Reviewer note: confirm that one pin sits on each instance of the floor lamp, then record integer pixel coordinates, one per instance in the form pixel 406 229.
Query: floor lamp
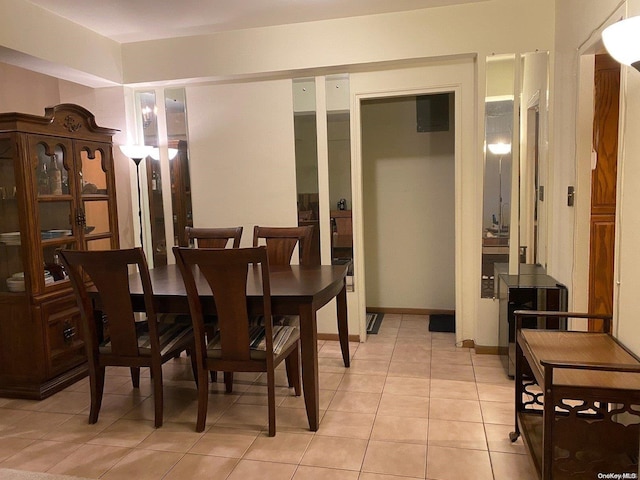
pixel 137 153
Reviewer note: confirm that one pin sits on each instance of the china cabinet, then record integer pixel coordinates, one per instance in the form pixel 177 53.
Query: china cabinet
pixel 57 190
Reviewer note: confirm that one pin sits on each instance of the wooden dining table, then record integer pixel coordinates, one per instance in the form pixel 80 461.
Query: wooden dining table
pixel 295 290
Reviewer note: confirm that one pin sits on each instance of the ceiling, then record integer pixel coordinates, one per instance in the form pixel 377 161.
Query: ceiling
pixel 138 20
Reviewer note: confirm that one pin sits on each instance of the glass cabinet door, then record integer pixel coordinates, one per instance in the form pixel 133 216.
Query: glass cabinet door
pixel 11 260
pixel 94 214
pixel 52 163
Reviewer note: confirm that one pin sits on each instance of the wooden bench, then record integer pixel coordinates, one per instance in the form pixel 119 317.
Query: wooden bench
pixel 577 399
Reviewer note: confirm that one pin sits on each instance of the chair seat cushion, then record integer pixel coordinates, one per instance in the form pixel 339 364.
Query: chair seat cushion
pixel 283 337
pixel 172 335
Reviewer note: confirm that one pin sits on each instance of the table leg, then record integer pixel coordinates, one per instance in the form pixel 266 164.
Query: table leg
pixel 309 347
pixel 343 324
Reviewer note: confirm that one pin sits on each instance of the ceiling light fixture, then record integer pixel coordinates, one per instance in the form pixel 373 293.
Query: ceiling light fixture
pixel 622 41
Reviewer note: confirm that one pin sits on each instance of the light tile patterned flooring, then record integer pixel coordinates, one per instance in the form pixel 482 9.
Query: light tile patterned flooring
pixel 412 406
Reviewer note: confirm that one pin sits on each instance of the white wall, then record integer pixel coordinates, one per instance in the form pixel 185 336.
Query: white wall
pixel 578 26
pixel 408 204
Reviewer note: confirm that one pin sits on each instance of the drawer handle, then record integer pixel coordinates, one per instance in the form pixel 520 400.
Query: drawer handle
pixel 68 332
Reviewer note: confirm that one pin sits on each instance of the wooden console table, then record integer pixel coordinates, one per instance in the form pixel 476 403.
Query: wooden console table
pixel 576 400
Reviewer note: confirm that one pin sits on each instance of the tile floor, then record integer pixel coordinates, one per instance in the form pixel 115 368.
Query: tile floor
pixel 412 406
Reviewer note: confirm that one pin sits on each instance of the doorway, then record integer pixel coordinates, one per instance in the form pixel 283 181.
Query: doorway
pixel 408 189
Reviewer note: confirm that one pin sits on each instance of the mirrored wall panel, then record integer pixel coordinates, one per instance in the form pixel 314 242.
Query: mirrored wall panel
pixel 499 134
pixel 306 149
pixel 339 156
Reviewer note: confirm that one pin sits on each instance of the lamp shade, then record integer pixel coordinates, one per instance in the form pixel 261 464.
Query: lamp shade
pixel 622 41
pixel 499 148
pixel 155 153
pixel 136 152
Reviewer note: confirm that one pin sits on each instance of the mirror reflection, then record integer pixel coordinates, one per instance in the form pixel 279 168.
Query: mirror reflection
pixel 339 157
pixel 499 132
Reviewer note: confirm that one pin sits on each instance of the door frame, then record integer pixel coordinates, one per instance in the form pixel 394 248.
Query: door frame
pixel 418 83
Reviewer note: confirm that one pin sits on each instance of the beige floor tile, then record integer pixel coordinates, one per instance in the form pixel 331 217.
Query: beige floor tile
pixel 418 387
pixel 368 367
pixel 375 351
pixel 172 437
pixel 492 375
pixel 496 393
pixel 253 417
pixel 404 406
pixel 358 402
pixel 393 458
pixel 502 413
pixel 450 433
pixel 90 461
pixel 116 405
pixel 252 469
pixel 40 455
pixel 78 430
pixel 283 448
pixel 335 452
pixel 460 410
pixel 410 369
pixel 445 357
pixel 293 420
pixel 452 372
pixel 381 476
pixel 508 466
pixel 445 463
pixel 31 424
pixel 331 365
pixel 346 424
pixel 330 381
pixel 400 429
pixel 453 389
pixel 65 402
pixel 325 397
pixel 417 354
pixel 224 442
pixel 124 433
pixel 318 473
pixel 257 395
pixel 201 467
pixel 498 439
pixel 414 332
pixel 10 446
pixel 486 360
pixel 143 465
pixel 362 383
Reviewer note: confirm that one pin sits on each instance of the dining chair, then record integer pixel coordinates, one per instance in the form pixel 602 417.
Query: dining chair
pixel 238 346
pixel 213 237
pixel 129 343
pixel 281 242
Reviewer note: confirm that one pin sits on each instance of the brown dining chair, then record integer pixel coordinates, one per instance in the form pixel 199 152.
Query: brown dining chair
pixel 213 237
pixel 238 346
pixel 281 242
pixel 129 343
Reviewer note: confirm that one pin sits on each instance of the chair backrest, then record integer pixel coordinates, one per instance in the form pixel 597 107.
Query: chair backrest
pixel 226 272
pixel 281 241
pixel 213 237
pixel 109 271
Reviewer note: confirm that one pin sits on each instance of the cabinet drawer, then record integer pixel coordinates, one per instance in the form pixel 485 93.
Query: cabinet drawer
pixel 63 330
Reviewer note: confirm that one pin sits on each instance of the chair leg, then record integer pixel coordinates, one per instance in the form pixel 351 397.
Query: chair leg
pixel 292 363
pixel 228 381
pixel 135 377
pixel 271 396
pixel 214 376
pixel 158 399
pixel 96 383
pixel 194 364
pixel 203 398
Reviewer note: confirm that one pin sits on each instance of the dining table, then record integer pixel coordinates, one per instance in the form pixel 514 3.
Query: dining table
pixel 295 290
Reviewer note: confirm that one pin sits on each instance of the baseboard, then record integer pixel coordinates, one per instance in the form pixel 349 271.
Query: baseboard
pixel 490 350
pixel 410 311
pixel 334 336
pixel 468 344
